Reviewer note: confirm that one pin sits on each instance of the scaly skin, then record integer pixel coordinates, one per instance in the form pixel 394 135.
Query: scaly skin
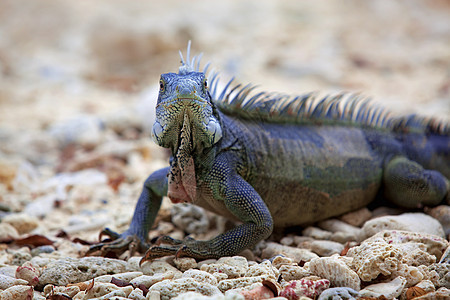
pixel 272 174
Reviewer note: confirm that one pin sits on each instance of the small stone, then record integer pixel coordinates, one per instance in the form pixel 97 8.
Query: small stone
pixel 339 293
pixel 190 218
pixel 357 217
pixel 260 292
pixel 23 223
pixel 389 290
pixel 287 241
pixel 8 232
pixel 136 294
pixel 185 263
pixel 153 295
pixel 148 281
pixel 101 289
pixel 83 130
pixel 326 248
pixel 7 282
pixel 17 292
pixel 414 222
pixel 317 233
pixel 335 225
pixel 8 271
pixel 20 256
pixel 126 276
pixel 442 214
pixel 42 249
pixel 295 254
pixel 70 291
pixel 343 237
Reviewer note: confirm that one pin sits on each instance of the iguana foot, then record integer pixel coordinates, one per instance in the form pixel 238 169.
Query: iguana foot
pixel 180 248
pixel 117 243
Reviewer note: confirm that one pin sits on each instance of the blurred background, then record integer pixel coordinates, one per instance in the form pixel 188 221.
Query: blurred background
pixel 78 79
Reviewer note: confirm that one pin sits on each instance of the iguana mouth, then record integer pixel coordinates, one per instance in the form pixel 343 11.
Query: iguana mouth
pixel 182 180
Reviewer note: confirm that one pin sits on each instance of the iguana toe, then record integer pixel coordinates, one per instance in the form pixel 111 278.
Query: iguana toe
pixel 117 243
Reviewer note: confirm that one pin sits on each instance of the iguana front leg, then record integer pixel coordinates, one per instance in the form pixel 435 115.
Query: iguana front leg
pixel 408 184
pixel 147 207
pixel 240 199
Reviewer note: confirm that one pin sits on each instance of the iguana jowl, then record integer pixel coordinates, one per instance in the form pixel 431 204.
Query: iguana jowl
pixel 270 160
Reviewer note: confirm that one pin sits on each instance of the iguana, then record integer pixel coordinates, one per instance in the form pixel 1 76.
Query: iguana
pixel 270 160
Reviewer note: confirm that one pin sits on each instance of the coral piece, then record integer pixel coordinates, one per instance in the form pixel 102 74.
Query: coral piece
pixel 70 270
pixel 172 288
pixel 443 271
pixel 234 266
pixel 374 257
pixel 261 292
pixel 238 283
pixel 414 222
pixel 389 290
pixel 435 245
pixel 410 273
pixel 263 269
pixel 70 291
pixel 336 271
pixel 28 272
pixel 304 287
pixel 200 276
pixel 100 289
pixel 442 293
pixel 281 260
pixel 148 281
pixel 293 272
pixel 190 218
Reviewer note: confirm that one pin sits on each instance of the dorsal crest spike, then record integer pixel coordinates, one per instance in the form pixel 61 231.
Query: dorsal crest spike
pixel 349 109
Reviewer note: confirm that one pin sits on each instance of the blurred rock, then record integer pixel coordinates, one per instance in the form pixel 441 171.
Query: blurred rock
pixel 415 222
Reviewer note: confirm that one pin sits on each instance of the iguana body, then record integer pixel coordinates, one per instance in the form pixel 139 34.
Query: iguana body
pixel 274 161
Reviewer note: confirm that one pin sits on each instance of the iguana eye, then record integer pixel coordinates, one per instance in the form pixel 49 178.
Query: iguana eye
pixel 205 84
pixel 161 85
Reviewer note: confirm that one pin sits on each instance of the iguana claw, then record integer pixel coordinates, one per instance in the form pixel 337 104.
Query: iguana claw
pixel 188 247
pixel 117 243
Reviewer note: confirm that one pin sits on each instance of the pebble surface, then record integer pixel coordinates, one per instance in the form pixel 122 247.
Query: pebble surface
pixel 77 104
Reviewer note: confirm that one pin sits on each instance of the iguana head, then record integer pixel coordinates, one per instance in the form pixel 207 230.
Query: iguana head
pixel 187 123
pixel 184 110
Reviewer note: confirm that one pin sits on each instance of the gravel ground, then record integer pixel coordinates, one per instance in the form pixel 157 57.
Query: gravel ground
pixel 77 94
